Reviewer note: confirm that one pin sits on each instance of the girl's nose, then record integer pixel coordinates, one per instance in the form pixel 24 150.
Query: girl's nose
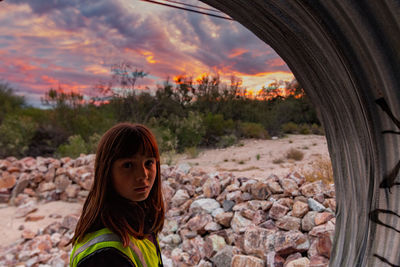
pixel 141 173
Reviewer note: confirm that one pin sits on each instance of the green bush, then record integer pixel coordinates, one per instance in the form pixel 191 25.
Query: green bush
pixel 91 145
pixel 304 129
pixel 290 128
pixel 16 133
pixel 190 131
pixel 216 125
pixel 76 146
pixel 166 139
pixel 317 129
pixel 252 130
pixel 227 140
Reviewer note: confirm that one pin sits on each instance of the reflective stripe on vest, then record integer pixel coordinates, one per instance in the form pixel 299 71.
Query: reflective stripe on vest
pixel 106 235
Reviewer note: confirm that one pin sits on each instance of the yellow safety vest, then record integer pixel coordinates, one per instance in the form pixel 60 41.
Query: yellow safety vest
pixel 143 253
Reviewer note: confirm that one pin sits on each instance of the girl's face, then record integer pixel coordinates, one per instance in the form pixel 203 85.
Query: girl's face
pixel 134 177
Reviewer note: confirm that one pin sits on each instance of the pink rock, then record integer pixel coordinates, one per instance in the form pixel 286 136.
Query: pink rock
pixel 28 234
pixel 322 229
pixel 312 189
pixel 42 243
pixel 288 223
pixel 299 209
pixel 25 209
pixel 330 203
pixel 291 242
pixel 292 257
pixel 245 261
pixel 211 188
pixel 324 245
pixel 248 213
pixel 7 181
pixel 290 187
pixel 259 217
pixel 72 190
pixel 216 242
pixel 239 223
pixel 198 223
pixel 302 262
pixel 330 191
pixel 43 187
pixel 62 182
pixel 259 190
pixel 319 261
pixel 285 201
pixel 70 221
pixel 323 217
pixel 235 196
pixel 277 211
pixel 274 260
pixel 258 241
pixel 275 187
pixel 180 197
pixel 224 218
pixel 259 204
pixel 297 177
pixel 312 251
pixel 308 221
pixel 319 197
pixel 4 164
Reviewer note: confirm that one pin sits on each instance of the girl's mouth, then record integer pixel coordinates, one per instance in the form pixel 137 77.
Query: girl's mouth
pixel 141 189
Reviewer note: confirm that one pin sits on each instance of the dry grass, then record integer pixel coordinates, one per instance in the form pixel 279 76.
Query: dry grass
pixel 251 168
pixel 294 154
pixel 321 169
pixel 278 161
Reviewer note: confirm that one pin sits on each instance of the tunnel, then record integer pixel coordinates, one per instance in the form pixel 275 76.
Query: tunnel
pixel 346 55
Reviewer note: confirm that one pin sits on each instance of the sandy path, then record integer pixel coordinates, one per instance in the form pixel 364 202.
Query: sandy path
pixel 256 157
pixel 9 232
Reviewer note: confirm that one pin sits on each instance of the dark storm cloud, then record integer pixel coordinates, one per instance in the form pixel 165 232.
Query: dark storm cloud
pixel 215 52
pixel 41 7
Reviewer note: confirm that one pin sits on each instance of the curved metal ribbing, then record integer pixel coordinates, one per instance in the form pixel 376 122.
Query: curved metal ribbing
pixel 346 54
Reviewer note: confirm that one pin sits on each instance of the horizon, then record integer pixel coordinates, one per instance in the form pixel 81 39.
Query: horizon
pixel 73 45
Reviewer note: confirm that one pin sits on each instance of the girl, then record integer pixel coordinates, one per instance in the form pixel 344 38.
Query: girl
pixel 124 210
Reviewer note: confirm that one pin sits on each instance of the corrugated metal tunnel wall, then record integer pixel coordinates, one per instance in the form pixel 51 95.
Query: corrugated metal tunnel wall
pixel 346 55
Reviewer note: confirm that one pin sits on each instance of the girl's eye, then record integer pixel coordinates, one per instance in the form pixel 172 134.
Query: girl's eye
pixel 149 163
pixel 127 165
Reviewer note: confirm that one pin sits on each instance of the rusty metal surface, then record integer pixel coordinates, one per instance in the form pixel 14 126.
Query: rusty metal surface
pixel 346 54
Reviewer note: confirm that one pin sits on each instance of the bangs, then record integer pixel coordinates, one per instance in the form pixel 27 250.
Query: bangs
pixel 135 141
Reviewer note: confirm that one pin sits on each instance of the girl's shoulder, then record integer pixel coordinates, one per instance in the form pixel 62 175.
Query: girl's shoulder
pixel 107 256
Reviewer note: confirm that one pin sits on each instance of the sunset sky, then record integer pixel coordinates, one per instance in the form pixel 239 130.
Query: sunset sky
pixel 71 43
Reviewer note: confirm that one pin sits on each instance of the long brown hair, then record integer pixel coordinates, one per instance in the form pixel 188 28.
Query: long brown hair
pixel 104 207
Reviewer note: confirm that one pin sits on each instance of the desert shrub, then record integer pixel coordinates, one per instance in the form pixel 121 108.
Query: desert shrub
pixel 252 130
pixel 290 128
pixel 278 161
pixel 321 169
pixel 47 138
pixel 91 145
pixel 227 140
pixel 304 129
pixel 215 126
pixel 189 131
pixel 166 139
pixel 317 129
pixel 75 146
pixel 16 133
pixel 168 157
pixel 294 154
pixel 192 152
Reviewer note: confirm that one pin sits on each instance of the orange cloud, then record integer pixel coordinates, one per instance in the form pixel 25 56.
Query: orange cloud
pixel 237 52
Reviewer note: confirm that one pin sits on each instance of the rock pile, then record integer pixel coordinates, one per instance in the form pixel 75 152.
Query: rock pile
pixel 212 219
